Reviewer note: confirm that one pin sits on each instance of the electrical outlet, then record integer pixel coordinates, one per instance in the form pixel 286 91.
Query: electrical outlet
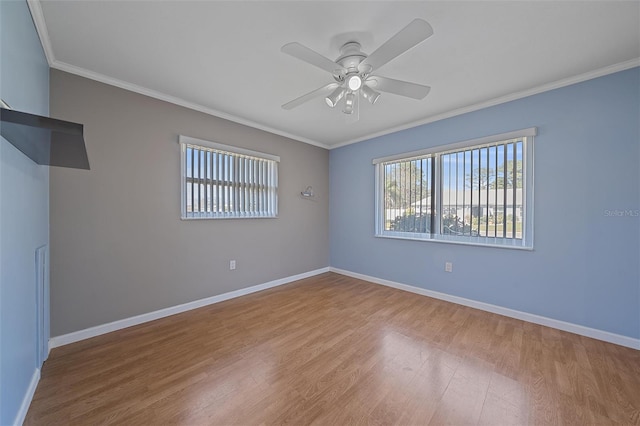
pixel 232 265
pixel 448 267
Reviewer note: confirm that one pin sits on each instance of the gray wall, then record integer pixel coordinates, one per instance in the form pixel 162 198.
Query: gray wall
pixel 24 210
pixel 118 246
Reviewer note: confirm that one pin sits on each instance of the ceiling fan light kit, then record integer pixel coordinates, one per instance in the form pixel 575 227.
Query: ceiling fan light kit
pixel 353 69
pixel 354 81
pixel 335 96
pixel 369 94
pixel 349 100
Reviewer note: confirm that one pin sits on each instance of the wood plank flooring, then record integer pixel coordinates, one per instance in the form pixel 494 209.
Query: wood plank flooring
pixel 334 350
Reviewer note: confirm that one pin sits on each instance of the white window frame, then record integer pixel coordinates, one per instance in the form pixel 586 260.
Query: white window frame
pixel 526 243
pixel 270 193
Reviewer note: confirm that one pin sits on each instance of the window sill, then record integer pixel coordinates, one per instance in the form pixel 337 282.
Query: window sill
pixel 457 242
pixel 226 217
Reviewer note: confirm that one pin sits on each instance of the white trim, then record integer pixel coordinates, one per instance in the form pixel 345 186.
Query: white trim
pixel 183 181
pixel 43 33
pixel 492 102
pixel 28 397
pixel 593 333
pixel 88 333
pixel 435 154
pixel 62 66
pixel 41 28
pixel 420 237
pixel 265 176
pixel 454 146
pixel 188 140
pixel 601 72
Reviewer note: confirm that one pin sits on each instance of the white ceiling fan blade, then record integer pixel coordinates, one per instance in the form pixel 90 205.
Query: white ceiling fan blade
pixel 417 31
pixel 311 57
pixel 398 87
pixel 324 90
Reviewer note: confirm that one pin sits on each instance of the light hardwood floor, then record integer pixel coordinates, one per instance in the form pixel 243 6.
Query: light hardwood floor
pixel 335 350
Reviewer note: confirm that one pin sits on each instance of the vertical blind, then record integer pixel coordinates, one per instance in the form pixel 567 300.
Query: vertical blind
pixel 482 190
pixel 223 182
pixel 408 186
pixel 472 192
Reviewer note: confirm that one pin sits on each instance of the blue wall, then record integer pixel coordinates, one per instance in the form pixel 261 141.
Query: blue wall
pixel 585 265
pixel 24 208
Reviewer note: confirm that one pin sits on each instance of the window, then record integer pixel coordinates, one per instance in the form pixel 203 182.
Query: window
pixel 474 192
pixel 223 182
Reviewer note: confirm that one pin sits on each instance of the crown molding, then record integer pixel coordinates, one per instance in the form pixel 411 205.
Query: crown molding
pixel 82 72
pixel 41 27
pixel 622 66
pixel 471 108
pixel 43 33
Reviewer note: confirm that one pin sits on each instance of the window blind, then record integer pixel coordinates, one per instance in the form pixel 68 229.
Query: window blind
pixel 222 182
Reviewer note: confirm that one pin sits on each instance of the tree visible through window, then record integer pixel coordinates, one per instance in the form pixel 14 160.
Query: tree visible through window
pixel 482 191
pixel 472 193
pixel 408 186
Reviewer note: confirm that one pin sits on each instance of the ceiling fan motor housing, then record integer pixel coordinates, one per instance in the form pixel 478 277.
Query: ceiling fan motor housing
pixel 351 56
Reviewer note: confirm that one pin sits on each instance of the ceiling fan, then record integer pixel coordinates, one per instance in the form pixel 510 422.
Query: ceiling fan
pixel 352 70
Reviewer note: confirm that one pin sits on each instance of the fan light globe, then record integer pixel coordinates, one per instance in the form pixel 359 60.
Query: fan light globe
pixel 335 96
pixel 370 94
pixel 354 82
pixel 348 103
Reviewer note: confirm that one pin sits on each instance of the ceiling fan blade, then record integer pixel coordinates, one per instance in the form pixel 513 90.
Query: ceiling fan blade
pixel 398 87
pixel 417 31
pixel 324 90
pixel 311 57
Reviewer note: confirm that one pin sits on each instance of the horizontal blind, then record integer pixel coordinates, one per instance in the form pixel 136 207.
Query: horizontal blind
pixel 220 183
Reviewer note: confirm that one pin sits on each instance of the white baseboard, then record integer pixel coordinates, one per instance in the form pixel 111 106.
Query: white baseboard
pixel 536 319
pixel 76 336
pixel 28 396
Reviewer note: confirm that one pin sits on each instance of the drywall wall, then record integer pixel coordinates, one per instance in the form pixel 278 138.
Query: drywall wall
pixel 585 266
pixel 24 212
pixel 118 246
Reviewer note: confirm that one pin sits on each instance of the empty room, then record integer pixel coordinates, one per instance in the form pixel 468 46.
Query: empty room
pixel 320 212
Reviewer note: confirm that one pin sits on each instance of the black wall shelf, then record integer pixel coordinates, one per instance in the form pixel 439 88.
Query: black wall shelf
pixel 46 141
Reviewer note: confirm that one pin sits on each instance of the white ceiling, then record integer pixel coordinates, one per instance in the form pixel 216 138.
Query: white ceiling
pixel 224 57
